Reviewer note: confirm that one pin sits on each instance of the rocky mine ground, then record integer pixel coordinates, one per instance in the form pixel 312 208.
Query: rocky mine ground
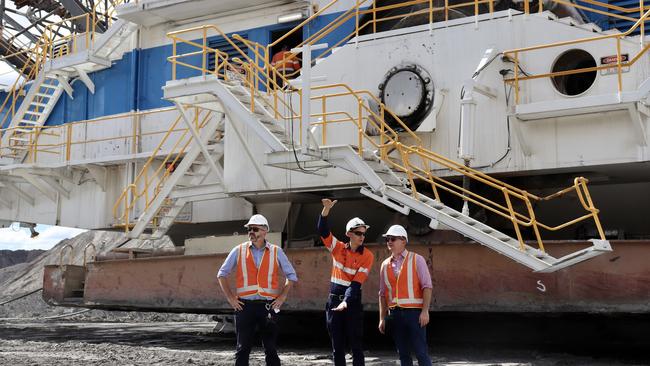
pixel 33 333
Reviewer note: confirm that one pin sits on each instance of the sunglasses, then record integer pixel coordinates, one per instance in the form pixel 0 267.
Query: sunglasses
pixel 359 233
pixel 253 229
pixel 392 238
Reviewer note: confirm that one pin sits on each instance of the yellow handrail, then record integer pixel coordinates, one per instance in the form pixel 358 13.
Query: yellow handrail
pixel 130 196
pixel 46 48
pixel 357 11
pixel 515 56
pixel 67 142
pixel 404 163
pixel 412 160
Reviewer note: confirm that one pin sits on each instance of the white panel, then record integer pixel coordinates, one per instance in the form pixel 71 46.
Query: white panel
pixel 227 209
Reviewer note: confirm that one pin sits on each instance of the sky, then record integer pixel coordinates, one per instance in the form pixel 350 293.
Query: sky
pixel 7 75
pixel 49 236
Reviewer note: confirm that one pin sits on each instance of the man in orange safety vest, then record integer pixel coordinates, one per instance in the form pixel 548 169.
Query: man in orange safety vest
pixel 259 293
pixel 351 263
pixel 404 297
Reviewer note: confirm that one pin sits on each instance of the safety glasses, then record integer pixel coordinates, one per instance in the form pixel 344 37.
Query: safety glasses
pixel 253 229
pixel 359 233
pixel 393 238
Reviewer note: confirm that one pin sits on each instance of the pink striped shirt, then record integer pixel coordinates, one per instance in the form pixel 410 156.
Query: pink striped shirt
pixel 420 267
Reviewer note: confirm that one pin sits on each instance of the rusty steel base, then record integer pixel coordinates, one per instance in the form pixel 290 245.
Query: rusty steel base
pixel 466 278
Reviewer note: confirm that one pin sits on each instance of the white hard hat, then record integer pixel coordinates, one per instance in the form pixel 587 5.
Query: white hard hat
pixel 257 220
pixel 397 230
pixel 355 223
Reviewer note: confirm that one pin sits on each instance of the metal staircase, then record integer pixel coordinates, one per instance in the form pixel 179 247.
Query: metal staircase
pixel 108 43
pixel 50 70
pixel 192 171
pixel 390 186
pixel 389 166
pixel 175 180
pixel 34 110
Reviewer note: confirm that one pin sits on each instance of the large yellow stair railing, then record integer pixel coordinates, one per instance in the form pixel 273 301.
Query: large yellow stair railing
pixel 403 152
pixel 71 144
pixel 155 171
pixel 50 45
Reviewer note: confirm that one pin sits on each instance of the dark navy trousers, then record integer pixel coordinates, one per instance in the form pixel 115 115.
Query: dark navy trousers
pixel 404 326
pixel 255 317
pixel 346 330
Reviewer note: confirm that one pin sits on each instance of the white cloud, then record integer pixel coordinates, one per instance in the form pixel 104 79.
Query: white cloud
pixel 49 236
pixel 7 76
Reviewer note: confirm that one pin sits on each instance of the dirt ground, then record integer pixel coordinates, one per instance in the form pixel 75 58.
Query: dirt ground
pixel 196 343
pixel 33 333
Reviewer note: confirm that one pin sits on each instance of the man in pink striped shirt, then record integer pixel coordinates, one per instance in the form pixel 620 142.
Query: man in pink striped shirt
pixel 405 291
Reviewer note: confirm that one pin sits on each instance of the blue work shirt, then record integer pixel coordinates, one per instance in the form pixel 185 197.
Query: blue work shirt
pixel 231 262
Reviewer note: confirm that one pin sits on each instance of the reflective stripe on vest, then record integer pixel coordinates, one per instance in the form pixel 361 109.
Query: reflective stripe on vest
pixel 262 281
pixel 403 291
pixel 341 274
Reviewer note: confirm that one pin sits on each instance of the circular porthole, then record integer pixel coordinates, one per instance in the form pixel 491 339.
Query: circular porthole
pixel 574 84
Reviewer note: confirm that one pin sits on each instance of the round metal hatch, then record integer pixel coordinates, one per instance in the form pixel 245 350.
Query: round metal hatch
pixel 407 91
pixel 403 93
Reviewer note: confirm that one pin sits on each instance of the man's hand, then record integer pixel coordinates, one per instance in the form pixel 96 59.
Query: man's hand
pixel 342 306
pixel 424 318
pixel 236 303
pixel 327 206
pixel 277 303
pixel 382 326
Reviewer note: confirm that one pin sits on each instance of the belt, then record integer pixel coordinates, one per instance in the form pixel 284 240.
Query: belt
pixel 339 297
pixel 397 308
pixel 259 301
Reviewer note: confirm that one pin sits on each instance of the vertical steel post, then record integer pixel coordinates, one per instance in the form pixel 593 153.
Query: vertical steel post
pixel 306 97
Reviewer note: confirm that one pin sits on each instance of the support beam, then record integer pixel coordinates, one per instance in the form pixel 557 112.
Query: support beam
pixel 75 8
pixel 98 173
pixel 66 86
pixel 5 202
pixel 244 146
pixel 197 140
pixel 191 192
pixel 34 24
pixel 19 192
pixel 639 114
pixel 86 80
pixel 57 173
pixel 516 127
pixel 57 186
pixel 17 25
pixel 37 183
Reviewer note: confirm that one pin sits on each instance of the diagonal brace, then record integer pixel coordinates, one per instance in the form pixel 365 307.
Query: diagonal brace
pixel 5 202
pixel 197 140
pixel 38 184
pixel 57 186
pixel 19 192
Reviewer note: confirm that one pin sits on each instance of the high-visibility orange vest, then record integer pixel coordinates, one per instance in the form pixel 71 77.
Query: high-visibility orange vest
pixel 348 265
pixel 403 291
pixel 252 280
pixel 285 61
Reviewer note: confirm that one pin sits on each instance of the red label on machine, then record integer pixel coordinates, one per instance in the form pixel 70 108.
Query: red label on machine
pixel 613 59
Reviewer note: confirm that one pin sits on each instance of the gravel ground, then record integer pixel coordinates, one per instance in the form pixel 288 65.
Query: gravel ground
pixel 132 338
pixel 196 343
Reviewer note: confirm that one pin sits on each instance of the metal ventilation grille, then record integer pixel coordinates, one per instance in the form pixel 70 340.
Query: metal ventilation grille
pixel 224 46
